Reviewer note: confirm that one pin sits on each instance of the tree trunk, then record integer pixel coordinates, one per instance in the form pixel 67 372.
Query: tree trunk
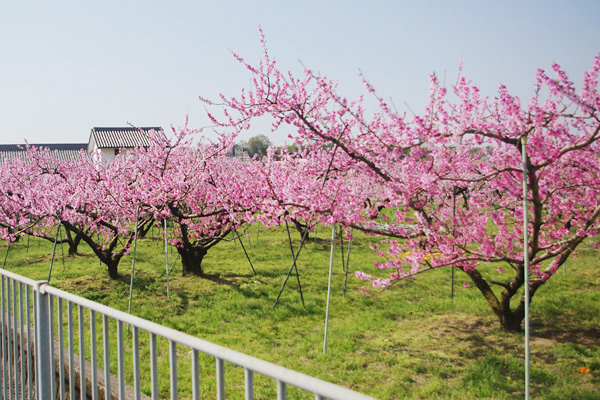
pixel 301 228
pixel 74 244
pixel 191 259
pixel 111 262
pixel 112 269
pixel 145 228
pixel 511 321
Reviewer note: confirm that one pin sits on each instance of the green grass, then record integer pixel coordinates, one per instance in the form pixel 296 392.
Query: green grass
pixel 411 341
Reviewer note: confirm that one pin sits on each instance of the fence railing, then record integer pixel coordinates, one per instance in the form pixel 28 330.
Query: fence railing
pixel 36 362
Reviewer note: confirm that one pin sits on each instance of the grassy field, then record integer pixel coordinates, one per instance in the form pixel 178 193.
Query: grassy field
pixel 411 341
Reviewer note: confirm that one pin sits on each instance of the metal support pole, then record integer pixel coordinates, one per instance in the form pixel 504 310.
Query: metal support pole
pixel 294 258
pixel 526 264
pixel 53 252
pixel 342 247
pixel 329 289
pixel 453 236
pixel 62 250
pixel 347 264
pixel 6 256
pixel 166 257
pixel 244 248
pixel 43 376
pixel 257 232
pixel 133 261
pixel 173 264
pixel 249 241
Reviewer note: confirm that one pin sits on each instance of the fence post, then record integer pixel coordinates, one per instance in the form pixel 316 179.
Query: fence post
pixel 42 355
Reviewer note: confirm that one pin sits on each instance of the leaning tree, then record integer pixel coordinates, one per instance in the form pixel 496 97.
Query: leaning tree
pixel 453 174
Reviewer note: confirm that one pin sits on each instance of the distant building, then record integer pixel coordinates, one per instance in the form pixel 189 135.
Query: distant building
pixel 103 144
pixel 238 152
pixel 60 151
pixel 108 142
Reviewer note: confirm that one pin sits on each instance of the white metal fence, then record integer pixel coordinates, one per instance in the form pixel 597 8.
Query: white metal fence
pixel 37 363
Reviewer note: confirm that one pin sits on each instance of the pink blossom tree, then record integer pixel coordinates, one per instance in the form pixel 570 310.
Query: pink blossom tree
pixel 205 194
pixel 83 196
pixel 196 186
pixel 453 174
pixel 25 210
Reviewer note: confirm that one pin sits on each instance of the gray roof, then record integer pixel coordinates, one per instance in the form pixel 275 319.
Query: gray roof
pixel 60 151
pixel 127 137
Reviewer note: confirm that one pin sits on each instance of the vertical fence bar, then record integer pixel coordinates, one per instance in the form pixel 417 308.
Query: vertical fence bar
pixel 29 346
pixel 195 375
pixel 61 349
pixel 281 391
pixel 4 345
pixel 9 338
pixel 220 379
pixel 15 339
pixel 22 340
pixel 121 359
pixel 81 317
pixel 93 355
pixel 153 366
pixel 248 384
pixel 106 342
pixel 173 362
pixel 42 357
pixel 35 331
pixel 71 351
pixel 51 328
pixel 136 363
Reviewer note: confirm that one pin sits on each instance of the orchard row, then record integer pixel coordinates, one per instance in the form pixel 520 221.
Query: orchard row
pixel 447 184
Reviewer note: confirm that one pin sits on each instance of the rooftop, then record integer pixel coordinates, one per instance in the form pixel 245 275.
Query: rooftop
pixel 60 151
pixel 125 137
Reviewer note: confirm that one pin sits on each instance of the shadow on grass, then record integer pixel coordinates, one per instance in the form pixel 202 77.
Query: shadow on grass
pixel 233 280
pixel 567 332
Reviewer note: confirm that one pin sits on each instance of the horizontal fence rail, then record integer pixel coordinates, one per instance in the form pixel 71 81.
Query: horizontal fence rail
pixel 39 360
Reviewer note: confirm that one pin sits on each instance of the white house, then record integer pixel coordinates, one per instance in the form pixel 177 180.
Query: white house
pixel 108 142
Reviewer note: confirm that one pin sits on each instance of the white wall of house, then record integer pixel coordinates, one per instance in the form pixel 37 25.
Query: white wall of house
pixel 108 155
pixel 101 156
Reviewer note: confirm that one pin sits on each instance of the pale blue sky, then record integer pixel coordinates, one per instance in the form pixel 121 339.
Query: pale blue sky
pixel 67 66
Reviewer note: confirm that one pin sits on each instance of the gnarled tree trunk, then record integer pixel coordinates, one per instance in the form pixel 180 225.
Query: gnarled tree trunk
pixel 191 259
pixel 510 320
